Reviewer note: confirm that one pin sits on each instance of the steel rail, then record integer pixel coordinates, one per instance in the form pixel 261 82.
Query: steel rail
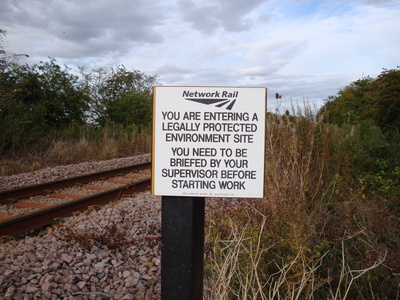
pixel 46 216
pixel 37 189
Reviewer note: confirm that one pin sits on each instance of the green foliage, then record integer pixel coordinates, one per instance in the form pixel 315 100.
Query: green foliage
pixel 131 108
pixel 374 158
pixel 385 110
pixel 120 96
pixel 43 98
pixel 35 100
pixel 370 110
pixel 349 106
pixel 367 99
pixel 62 96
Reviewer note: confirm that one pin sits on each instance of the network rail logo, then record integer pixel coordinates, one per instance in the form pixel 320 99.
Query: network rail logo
pixel 217 98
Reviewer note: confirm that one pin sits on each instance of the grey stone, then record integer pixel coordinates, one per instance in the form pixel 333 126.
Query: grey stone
pixel 81 284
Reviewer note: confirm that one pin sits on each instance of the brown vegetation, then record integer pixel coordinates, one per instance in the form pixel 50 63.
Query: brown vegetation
pixel 75 146
pixel 320 232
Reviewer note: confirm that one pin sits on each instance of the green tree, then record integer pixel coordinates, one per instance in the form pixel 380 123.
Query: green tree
pixel 51 96
pixel 119 95
pixel 14 122
pixel 349 105
pixel 385 107
pixel 131 108
pixel 35 100
pixel 62 95
pixel 376 99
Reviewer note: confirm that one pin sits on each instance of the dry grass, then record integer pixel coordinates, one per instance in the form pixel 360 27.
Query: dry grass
pixel 318 234
pixel 236 268
pixel 63 150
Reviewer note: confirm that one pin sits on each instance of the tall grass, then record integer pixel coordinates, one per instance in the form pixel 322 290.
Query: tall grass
pixel 320 232
pixel 74 145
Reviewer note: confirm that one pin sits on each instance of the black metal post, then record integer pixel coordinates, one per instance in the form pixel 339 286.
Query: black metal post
pixel 182 254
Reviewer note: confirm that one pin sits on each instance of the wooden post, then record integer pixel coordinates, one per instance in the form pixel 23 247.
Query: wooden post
pixel 182 254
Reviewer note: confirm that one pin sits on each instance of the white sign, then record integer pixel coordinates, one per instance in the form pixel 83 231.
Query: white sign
pixel 208 141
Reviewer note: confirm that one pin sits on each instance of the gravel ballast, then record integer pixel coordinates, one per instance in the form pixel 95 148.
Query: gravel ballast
pixel 111 253
pixel 50 174
pixel 108 253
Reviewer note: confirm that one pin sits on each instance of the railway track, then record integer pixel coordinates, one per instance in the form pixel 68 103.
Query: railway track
pixel 41 204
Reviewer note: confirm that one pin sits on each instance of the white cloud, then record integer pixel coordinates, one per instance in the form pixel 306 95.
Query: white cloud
pixel 208 16
pixel 296 48
pixel 77 28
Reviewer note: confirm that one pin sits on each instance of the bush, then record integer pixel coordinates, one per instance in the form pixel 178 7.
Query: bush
pixel 323 230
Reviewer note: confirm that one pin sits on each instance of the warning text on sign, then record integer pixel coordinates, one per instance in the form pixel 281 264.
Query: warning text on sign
pixel 203 149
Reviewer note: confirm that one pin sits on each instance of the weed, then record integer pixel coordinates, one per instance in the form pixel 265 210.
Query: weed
pixel 328 227
pixel 75 145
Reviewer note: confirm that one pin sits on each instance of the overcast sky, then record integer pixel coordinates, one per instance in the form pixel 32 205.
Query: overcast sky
pixel 301 49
